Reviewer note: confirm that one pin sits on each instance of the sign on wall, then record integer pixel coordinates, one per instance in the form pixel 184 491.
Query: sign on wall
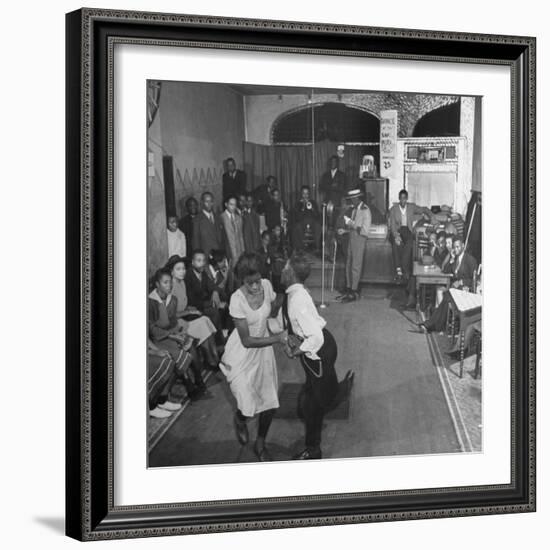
pixel 388 143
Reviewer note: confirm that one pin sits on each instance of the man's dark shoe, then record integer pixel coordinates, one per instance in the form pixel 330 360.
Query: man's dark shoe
pixel 346 292
pixel 453 354
pixel 351 297
pixel 195 393
pixel 424 327
pixel 308 454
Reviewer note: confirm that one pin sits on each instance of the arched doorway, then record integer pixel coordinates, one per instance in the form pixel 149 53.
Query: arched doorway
pixel 335 122
pixel 443 121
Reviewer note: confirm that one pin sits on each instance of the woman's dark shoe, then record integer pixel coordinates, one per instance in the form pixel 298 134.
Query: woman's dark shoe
pixel 422 326
pixel 262 453
pixel 241 429
pixel 308 454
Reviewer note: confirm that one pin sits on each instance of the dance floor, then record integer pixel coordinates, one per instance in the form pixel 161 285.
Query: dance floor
pixel 396 405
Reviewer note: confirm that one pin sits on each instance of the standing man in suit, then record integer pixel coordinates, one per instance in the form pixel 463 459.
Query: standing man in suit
pixel 358 225
pixel 315 346
pixel 333 183
pixel 275 211
pixel 401 222
pixel 186 222
pixel 234 181
pixel 232 224
pixel 462 267
pixel 207 229
pixel 251 225
pixel 262 193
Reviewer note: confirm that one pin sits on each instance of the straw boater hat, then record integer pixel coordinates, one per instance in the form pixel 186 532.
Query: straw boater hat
pixel 354 193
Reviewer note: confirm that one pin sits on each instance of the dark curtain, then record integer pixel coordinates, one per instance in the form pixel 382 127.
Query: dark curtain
pixel 473 226
pixel 476 160
pixel 297 165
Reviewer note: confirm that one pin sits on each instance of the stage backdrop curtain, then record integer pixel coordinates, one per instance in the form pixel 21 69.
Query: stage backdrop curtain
pixel 297 165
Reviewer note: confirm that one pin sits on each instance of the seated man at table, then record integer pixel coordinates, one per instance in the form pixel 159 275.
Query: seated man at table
pixel 439 252
pixel 462 267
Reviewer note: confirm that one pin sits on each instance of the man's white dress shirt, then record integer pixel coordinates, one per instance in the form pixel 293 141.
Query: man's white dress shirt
pixel 305 320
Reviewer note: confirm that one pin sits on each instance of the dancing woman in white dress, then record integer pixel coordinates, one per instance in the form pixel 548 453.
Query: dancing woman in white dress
pixel 249 361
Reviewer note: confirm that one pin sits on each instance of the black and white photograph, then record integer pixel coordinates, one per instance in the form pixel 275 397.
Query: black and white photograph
pixel 314 273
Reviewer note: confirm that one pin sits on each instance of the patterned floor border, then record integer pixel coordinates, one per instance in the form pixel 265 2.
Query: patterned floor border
pixel 462 434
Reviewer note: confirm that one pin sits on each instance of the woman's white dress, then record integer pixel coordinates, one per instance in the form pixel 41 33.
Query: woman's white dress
pixel 251 372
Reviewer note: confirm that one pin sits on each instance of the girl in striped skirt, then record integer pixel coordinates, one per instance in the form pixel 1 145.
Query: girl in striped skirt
pixel 167 334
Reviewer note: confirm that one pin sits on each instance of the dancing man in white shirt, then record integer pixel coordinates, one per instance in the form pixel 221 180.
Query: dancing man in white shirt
pixel 315 346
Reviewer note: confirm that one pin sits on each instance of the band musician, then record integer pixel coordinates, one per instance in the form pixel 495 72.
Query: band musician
pixel 306 215
pixel 333 187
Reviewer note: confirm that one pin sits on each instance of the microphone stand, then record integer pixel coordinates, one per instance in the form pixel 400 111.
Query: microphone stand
pixel 324 217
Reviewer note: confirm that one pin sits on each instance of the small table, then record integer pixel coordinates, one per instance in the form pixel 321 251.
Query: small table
pixel 467 306
pixel 429 275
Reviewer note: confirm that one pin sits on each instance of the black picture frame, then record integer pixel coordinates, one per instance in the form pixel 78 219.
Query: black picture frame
pixel 90 36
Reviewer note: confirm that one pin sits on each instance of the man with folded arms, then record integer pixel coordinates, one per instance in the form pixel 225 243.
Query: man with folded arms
pixel 401 222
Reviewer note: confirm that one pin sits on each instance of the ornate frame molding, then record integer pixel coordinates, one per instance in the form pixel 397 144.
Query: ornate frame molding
pixel 91 36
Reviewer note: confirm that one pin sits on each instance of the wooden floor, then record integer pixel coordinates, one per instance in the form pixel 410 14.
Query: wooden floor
pixel 396 405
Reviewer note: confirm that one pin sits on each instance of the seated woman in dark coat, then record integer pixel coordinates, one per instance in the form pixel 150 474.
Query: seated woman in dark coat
pixel 166 333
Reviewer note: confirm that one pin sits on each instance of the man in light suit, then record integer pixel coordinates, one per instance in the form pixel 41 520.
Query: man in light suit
pixel 207 229
pixel 358 225
pixel 401 221
pixel 232 224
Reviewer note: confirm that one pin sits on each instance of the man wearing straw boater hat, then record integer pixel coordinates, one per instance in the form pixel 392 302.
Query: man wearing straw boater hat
pixel 357 225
